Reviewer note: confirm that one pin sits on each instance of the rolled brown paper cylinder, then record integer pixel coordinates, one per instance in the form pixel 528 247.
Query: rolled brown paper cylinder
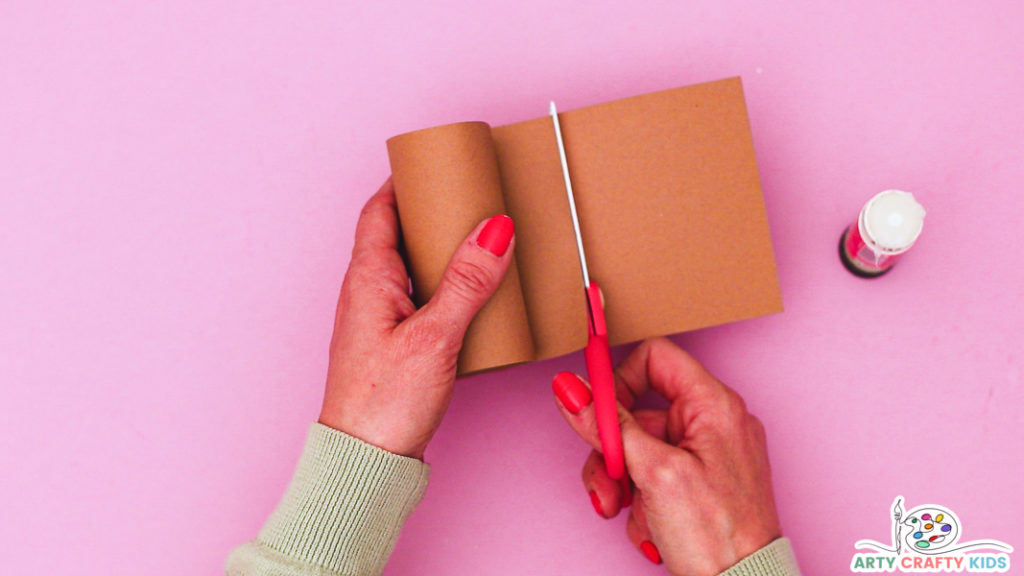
pixel 446 182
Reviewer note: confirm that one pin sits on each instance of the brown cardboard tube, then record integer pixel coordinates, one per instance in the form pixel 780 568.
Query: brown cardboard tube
pixel 446 182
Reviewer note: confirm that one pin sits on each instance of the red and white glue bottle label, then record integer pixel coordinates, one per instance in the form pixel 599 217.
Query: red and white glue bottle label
pixel 887 227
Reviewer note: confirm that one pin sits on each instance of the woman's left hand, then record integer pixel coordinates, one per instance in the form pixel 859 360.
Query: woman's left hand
pixel 392 366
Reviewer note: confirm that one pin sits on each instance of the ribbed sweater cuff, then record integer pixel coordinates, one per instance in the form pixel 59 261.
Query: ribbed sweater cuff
pixel 775 559
pixel 344 506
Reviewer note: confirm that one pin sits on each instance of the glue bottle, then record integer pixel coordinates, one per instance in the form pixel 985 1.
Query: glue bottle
pixel 888 226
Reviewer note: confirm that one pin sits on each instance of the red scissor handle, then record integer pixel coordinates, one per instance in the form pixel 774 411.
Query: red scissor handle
pixel 602 384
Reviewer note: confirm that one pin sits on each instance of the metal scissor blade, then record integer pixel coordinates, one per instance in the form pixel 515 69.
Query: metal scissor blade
pixel 597 354
pixel 572 199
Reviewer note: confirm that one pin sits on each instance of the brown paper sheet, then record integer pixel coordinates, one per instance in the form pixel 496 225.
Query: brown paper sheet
pixel 670 210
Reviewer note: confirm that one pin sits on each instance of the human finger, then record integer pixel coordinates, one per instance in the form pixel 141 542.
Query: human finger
pixel 607 495
pixel 660 365
pixel 639 533
pixel 572 394
pixel 654 422
pixel 647 453
pixel 376 282
pixel 473 274
pixel 575 401
pixel 377 228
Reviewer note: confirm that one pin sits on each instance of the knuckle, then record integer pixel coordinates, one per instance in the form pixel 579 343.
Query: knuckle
pixel 468 279
pixel 666 474
pixel 733 408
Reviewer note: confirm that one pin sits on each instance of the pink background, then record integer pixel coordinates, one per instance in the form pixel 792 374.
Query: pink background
pixel 180 183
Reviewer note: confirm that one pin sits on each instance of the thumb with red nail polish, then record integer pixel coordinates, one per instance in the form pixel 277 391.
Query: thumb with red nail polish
pixel 392 366
pixel 496 235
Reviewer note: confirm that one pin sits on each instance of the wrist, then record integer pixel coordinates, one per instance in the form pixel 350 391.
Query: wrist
pixel 378 434
pixel 775 558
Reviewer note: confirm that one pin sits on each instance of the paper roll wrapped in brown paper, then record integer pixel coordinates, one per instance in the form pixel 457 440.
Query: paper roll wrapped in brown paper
pixel 670 208
pixel 446 182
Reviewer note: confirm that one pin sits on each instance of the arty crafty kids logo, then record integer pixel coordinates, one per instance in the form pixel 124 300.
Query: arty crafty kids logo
pixel 926 539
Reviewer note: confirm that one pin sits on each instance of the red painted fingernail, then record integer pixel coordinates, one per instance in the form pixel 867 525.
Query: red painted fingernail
pixel 571 392
pixel 650 551
pixel 627 492
pixel 597 503
pixel 496 235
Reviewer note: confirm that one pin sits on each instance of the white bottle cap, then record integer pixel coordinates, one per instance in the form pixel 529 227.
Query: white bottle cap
pixel 891 222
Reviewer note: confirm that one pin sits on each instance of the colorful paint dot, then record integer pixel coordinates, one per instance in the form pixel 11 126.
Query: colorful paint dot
pixel 913 520
pixel 928 526
pixel 939 517
pixel 946 527
pixel 926 516
pixel 918 534
pixel 932 539
pixel 921 544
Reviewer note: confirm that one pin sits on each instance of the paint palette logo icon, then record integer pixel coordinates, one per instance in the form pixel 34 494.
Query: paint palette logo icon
pixel 931 529
pixel 927 530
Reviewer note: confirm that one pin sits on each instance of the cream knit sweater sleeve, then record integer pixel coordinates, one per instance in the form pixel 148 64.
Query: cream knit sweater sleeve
pixel 341 513
pixel 346 503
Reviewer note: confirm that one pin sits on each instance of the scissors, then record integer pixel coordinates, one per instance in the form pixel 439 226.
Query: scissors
pixel 598 356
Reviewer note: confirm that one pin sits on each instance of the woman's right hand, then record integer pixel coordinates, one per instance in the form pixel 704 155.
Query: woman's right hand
pixel 703 497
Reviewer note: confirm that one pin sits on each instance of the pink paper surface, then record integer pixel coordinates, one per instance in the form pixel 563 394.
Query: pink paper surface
pixel 180 185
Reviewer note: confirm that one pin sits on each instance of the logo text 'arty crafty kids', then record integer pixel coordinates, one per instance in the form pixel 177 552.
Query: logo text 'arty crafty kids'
pixel 926 539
